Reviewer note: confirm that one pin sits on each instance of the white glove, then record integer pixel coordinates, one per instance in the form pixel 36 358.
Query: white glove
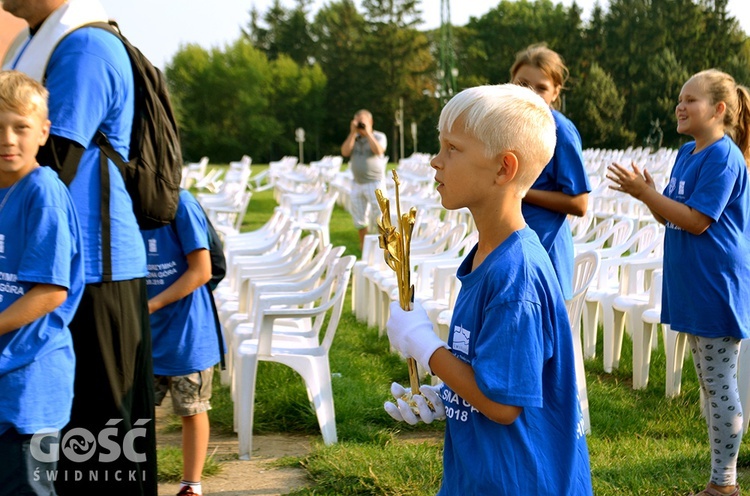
pixel 402 411
pixel 412 335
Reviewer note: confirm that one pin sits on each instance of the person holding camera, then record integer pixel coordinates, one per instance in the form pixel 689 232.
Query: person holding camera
pixel 365 149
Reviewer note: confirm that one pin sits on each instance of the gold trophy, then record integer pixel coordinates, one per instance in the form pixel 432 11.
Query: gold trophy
pixel 396 245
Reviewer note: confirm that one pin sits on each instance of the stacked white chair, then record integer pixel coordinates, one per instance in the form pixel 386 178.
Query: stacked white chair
pixel 585 268
pixel 306 354
pixel 645 243
pixel 193 172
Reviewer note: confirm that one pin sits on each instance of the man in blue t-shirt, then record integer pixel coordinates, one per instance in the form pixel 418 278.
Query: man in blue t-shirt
pixel 89 77
pixel 509 394
pixel 41 283
pixel 183 328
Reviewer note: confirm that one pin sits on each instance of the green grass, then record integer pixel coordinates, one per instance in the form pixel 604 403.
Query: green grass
pixel 641 442
pixel 169 462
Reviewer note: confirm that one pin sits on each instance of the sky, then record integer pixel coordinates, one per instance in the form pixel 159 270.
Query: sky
pixel 160 27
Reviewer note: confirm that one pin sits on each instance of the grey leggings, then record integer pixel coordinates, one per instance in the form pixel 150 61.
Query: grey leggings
pixel 715 362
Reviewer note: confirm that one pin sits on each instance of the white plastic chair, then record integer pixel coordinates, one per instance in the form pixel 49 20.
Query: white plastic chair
pixel 645 244
pixel 633 297
pixel 306 357
pixel 584 269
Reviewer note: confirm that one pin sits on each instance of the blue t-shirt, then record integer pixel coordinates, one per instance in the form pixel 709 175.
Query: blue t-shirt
pixel 706 288
pixel 564 173
pixel 511 325
pixel 90 81
pixel 184 332
pixel 40 243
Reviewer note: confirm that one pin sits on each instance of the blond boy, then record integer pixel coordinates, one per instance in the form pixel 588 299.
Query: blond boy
pixel 41 283
pixel 509 389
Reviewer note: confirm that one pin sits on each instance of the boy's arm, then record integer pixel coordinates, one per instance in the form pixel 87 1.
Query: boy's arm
pixel 459 376
pixel 197 274
pixel 40 300
pixel 558 201
pixel 411 333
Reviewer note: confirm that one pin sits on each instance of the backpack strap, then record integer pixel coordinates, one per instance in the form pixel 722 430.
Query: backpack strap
pixel 106 151
pixel 106 220
pixel 218 327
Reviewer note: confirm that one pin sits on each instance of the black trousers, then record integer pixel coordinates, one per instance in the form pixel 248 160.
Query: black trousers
pixel 109 446
pixel 21 472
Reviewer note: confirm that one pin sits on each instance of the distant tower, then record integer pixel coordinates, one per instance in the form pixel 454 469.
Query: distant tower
pixel 448 71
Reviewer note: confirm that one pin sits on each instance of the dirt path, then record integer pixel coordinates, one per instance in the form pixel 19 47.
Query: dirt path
pixel 242 478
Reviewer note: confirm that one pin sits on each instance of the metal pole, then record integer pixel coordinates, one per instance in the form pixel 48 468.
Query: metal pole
pixel 401 126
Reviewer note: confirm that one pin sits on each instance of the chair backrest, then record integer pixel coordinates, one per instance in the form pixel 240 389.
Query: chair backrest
pixel 585 268
pixel 328 305
pixel 342 271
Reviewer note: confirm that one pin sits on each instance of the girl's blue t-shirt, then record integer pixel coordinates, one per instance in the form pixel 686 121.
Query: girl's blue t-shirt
pixel 707 277
pixel 184 332
pixel 40 243
pixel 565 173
pixel 511 325
pixel 90 82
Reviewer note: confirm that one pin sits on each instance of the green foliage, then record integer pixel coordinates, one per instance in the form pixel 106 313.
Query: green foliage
pixel 288 71
pixel 600 119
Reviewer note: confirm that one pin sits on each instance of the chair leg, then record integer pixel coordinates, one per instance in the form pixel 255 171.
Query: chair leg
pixel 612 339
pixel 590 328
pixel 743 382
pixel 674 348
pixel 583 396
pixel 246 370
pixel 316 373
pixel 642 339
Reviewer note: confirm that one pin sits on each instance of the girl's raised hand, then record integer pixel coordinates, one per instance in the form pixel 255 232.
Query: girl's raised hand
pixel 634 182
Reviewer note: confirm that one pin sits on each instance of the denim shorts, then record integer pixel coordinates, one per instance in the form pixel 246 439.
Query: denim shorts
pixel 190 393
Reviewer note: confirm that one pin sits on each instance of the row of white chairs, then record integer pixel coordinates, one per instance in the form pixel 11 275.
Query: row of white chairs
pixel 284 282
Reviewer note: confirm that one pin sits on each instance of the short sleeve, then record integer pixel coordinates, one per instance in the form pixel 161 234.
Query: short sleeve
pixel 49 248
pixel 571 172
pixel 191 225
pixel 713 189
pixel 509 354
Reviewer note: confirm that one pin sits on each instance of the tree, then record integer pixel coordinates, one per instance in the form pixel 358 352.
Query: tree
pixel 657 96
pixel 489 44
pixel 339 31
pixel 599 119
pixel 287 32
pixel 398 58
pixel 235 101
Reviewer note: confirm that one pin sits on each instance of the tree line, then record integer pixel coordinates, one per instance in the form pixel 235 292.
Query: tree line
pixel 289 69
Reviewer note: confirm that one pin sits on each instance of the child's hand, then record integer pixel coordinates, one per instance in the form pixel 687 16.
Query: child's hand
pixel 428 404
pixel 412 335
pixel 632 182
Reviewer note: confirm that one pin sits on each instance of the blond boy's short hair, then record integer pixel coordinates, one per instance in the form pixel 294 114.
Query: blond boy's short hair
pixel 506 117
pixel 21 94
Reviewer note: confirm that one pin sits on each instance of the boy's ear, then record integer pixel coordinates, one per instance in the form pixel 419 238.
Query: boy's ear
pixel 46 124
pixel 507 169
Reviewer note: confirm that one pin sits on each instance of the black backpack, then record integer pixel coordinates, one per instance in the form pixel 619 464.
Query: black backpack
pixel 153 170
pixel 216 250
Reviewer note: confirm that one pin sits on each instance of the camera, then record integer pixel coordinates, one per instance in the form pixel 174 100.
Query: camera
pixel 360 125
